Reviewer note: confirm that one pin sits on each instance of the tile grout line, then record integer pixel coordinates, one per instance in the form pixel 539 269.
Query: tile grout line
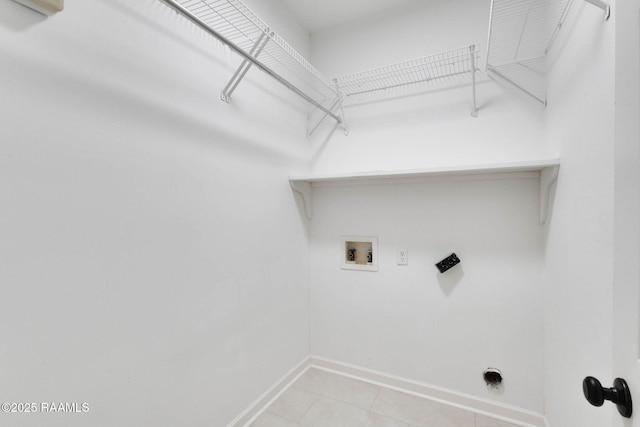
pixel 415 393
pixel 299 421
pixel 368 410
pixel 360 409
pixel 375 398
pixel 379 389
pixel 371 411
pixel 265 408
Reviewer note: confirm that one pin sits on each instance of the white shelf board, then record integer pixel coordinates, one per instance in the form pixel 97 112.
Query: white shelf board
pixel 546 170
pixel 413 174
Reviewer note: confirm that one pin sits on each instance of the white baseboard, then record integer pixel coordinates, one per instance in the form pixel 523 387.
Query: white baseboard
pixel 512 414
pixel 256 408
pixel 500 411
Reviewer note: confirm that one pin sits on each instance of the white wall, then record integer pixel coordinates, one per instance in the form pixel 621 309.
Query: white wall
pixel 579 248
pixel 415 30
pixel 410 321
pixel 433 130
pixel 143 221
pixel 413 322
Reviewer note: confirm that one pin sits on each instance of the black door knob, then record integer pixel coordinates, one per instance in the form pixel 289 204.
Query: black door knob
pixel 618 394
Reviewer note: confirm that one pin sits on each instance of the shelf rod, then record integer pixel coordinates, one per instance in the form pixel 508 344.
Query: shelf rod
pixel 492 70
pixel 489 36
pixel 313 129
pixel 602 5
pixel 243 68
pixel 194 19
pixel 341 98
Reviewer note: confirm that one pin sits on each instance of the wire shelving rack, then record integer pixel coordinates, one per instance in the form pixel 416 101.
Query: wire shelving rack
pixel 521 33
pixel 236 26
pixel 452 66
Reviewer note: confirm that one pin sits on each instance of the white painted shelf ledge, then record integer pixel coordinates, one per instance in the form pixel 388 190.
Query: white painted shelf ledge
pixel 546 170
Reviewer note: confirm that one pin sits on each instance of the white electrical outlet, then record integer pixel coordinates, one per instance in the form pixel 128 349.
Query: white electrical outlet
pixel 403 257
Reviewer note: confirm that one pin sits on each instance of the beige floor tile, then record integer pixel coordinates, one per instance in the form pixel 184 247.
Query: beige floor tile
pixel 293 403
pixel 268 419
pixel 328 412
pixel 420 412
pixel 347 390
pixel 483 421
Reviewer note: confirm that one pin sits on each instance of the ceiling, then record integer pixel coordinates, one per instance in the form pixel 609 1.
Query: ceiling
pixel 316 15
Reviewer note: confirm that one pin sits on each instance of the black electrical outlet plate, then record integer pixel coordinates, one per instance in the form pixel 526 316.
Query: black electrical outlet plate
pixel 448 262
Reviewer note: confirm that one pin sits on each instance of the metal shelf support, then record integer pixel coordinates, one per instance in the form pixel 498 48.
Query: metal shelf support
pixel 336 106
pixel 491 72
pixel 472 49
pixel 303 189
pixel 243 68
pixel 341 98
pixel 548 176
pixel 238 21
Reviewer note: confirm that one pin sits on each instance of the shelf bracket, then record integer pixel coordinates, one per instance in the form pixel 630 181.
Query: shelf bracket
pixel 331 111
pixel 303 188
pixel 602 5
pixel 201 15
pixel 243 68
pixel 548 176
pixel 492 71
pixel 472 48
pixel 341 98
pixel 335 106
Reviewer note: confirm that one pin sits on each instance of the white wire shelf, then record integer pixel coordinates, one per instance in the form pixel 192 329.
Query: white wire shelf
pixel 243 31
pixel 236 26
pixel 452 66
pixel 521 32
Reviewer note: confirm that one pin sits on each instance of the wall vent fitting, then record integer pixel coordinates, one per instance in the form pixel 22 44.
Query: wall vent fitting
pixel 493 377
pixel 448 262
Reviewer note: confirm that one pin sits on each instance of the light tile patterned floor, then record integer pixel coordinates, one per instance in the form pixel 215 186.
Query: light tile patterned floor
pixel 324 399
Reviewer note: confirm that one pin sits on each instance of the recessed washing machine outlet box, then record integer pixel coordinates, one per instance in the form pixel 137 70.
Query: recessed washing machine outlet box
pixel 359 253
